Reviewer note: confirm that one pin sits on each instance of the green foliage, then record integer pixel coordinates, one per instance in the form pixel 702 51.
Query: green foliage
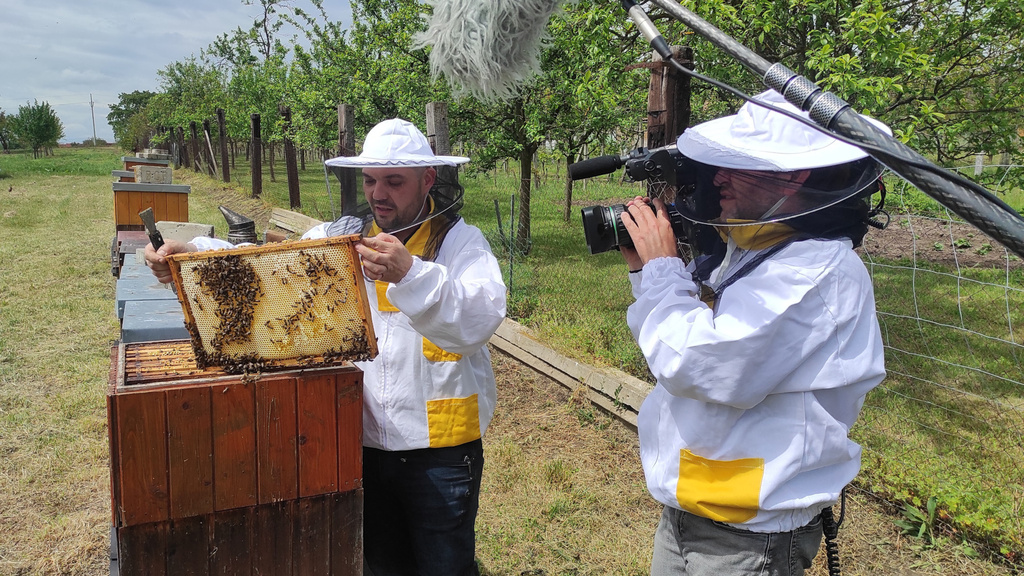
pixel 6 132
pixel 191 91
pixel 128 119
pixel 920 524
pixel 37 126
pixel 945 77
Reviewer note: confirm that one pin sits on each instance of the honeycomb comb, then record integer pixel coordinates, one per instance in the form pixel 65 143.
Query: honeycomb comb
pixel 300 303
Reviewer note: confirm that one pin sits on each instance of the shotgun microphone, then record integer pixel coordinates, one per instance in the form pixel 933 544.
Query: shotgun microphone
pixel 486 49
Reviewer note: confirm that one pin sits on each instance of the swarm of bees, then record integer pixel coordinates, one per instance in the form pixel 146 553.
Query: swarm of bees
pixel 317 329
pixel 234 285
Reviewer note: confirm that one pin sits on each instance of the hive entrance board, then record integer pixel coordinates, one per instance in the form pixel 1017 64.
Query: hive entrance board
pixel 282 304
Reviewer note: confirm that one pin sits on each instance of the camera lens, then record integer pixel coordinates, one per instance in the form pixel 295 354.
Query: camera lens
pixel 603 229
pixel 602 226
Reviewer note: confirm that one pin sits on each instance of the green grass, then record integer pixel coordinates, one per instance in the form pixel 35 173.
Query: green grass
pixel 79 161
pixel 918 428
pixel 947 422
pixel 57 323
pixel 959 440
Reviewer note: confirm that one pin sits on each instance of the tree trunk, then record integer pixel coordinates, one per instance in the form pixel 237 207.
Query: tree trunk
pixel 525 181
pixel 526 150
pixel 291 168
pixel 273 177
pixel 256 155
pixel 567 213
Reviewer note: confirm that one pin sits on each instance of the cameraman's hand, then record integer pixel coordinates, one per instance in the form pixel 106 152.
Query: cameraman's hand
pixel 157 259
pixel 632 258
pixel 651 233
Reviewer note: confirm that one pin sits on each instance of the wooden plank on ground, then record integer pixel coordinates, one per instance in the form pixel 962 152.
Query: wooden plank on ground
pixel 612 390
pixel 292 221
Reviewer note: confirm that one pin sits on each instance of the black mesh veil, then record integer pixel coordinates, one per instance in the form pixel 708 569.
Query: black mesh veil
pixel 356 213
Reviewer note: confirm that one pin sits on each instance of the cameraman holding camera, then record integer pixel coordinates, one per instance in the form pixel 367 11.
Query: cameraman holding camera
pixel 763 349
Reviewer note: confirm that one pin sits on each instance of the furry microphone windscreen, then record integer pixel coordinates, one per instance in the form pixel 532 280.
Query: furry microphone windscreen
pixel 486 48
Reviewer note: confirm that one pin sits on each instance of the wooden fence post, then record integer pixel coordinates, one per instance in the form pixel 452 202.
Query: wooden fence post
pixel 194 145
pixel 182 159
pixel 256 157
pixel 289 160
pixel 346 147
pixel 222 136
pixel 437 135
pixel 668 100
pixel 211 164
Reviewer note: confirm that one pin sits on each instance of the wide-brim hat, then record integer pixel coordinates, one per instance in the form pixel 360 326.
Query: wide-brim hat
pixel 756 138
pixel 395 142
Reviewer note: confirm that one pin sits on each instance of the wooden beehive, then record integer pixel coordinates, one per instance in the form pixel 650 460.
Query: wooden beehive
pixel 282 304
pixel 168 201
pixel 215 473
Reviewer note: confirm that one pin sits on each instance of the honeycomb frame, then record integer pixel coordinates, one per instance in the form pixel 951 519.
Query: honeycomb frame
pixel 286 304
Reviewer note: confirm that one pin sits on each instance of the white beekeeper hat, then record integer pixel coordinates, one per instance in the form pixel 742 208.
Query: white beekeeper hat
pixel 395 142
pixel 756 138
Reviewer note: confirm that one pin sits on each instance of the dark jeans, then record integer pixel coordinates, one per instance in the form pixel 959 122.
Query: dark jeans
pixel 419 510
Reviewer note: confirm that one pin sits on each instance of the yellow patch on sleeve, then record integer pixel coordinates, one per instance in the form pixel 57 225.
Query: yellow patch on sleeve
pixel 453 421
pixel 722 490
pixel 435 353
pixel 383 304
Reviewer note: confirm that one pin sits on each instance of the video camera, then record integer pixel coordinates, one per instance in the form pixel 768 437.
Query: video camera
pixel 602 225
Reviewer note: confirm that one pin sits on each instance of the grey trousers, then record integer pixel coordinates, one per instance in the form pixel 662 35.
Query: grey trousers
pixel 686 544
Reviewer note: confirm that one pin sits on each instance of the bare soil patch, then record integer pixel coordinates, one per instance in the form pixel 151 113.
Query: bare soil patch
pixel 953 244
pixel 563 490
pixel 563 493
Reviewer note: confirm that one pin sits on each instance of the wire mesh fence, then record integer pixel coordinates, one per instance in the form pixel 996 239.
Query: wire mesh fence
pixel 943 436
pixel 947 424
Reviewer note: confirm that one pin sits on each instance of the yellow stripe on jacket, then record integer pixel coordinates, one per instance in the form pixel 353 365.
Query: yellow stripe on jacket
pixel 722 490
pixel 453 421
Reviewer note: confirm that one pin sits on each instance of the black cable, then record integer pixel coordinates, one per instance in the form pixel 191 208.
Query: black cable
pixel 874 151
pixel 970 201
pixel 830 529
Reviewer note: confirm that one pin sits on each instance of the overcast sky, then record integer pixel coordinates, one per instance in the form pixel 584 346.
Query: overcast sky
pixel 68 52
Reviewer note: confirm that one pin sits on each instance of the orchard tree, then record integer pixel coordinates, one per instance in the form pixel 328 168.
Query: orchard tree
pixel 602 98
pixel 192 90
pixel 128 119
pixel 319 80
pixel 237 47
pixel 581 96
pixel 371 66
pixel 38 126
pixel 259 89
pixel 947 77
pixel 6 133
pixel 253 61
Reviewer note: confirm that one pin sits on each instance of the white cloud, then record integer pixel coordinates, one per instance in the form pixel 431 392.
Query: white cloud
pixel 65 52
